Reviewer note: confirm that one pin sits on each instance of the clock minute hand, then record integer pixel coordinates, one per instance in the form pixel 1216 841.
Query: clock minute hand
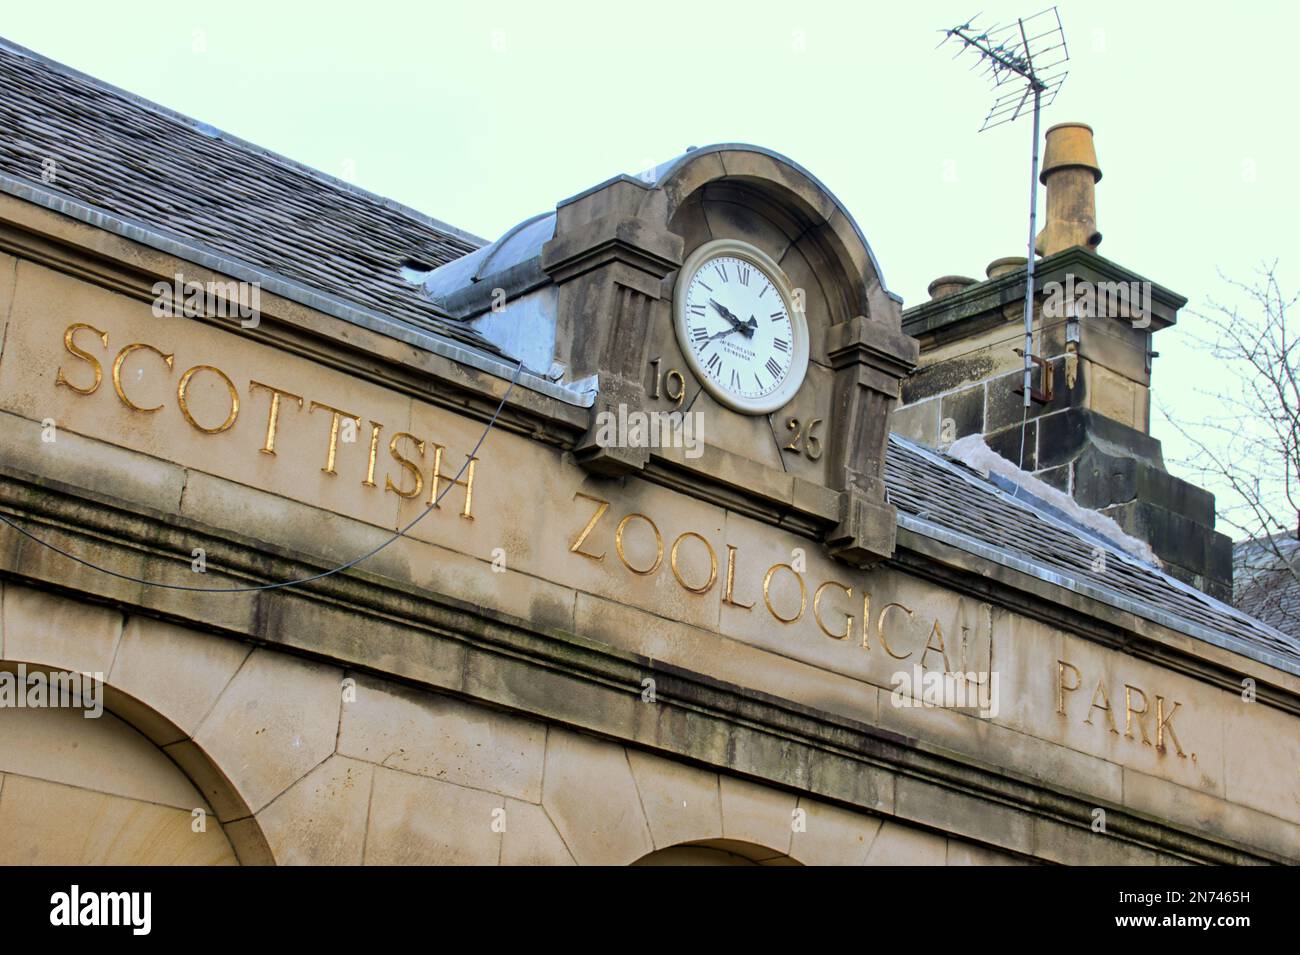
pixel 736 323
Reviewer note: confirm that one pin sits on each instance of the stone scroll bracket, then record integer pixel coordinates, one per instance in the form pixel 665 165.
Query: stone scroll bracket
pixel 609 265
pixel 870 358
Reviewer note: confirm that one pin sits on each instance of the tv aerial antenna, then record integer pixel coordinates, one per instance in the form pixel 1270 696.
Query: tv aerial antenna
pixel 1024 61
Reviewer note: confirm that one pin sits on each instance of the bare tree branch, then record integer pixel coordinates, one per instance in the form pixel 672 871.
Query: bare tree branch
pixel 1253 450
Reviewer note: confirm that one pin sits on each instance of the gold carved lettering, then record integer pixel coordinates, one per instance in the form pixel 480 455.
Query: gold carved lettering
pixel 1061 688
pixel 880 629
pixel 602 507
pixel 375 428
pixel 935 631
pixel 713 564
pixel 120 376
pixel 729 594
pixel 1164 722
pixel 1129 713
pixel 467 482
pixel 68 342
pixel 182 398
pixel 767 595
pixel 335 416
pixel 117 373
pixel 273 416
pixel 1104 706
pixel 1101 701
pixel 408 465
pixel 659 545
pixel 817 615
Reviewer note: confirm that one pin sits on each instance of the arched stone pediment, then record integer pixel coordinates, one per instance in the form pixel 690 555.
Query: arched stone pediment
pixel 587 295
pixel 617 256
pixel 792 198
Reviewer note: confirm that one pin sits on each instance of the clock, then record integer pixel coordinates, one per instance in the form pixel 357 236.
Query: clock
pixel 738 326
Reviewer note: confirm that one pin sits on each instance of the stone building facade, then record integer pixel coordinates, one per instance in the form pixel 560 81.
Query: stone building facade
pixel 588 652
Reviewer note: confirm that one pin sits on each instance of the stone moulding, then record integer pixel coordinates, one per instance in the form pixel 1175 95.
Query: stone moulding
pixel 366 622
pixel 981 304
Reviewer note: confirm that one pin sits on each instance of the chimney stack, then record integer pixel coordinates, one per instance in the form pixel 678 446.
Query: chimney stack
pixel 1089 436
pixel 1070 173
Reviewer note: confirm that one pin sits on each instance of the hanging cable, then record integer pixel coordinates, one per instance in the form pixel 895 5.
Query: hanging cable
pixel 301 580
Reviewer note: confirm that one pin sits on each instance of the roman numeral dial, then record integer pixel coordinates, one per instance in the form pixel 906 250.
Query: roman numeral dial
pixel 738 327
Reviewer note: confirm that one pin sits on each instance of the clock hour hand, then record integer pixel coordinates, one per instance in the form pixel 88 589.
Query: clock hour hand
pixel 746 329
pixel 726 313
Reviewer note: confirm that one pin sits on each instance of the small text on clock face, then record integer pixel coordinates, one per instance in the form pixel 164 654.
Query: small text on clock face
pixel 739 327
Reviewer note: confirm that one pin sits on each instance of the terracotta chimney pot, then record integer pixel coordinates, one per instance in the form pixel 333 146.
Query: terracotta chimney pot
pixel 1070 173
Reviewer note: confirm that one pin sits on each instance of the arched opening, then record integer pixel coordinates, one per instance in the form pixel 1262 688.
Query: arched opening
pixel 716 852
pixel 79 790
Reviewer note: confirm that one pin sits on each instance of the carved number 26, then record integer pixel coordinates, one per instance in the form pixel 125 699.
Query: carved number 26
pixel 812 445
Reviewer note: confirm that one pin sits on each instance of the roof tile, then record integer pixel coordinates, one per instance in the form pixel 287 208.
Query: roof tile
pixel 126 156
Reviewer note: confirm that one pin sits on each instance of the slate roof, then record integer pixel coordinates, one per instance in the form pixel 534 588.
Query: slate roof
pixel 1008 525
pixel 139 161
pixel 1266 585
pixel 142 163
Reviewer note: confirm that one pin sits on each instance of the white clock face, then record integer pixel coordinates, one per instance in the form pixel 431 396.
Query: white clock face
pixel 737 327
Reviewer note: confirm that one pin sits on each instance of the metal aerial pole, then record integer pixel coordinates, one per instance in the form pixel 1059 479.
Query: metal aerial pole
pixel 1008 55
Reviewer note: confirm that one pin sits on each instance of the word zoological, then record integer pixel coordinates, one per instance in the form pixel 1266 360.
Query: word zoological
pixel 833 608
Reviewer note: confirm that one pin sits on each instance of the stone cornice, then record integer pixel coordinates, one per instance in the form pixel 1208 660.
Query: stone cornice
pixel 368 622
pixel 114 263
pixel 1100 623
pixel 948 317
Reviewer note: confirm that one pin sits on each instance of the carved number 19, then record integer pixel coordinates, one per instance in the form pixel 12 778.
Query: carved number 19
pixel 674 384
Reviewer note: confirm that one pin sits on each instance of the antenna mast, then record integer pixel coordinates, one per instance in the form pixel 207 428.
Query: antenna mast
pixel 1028 55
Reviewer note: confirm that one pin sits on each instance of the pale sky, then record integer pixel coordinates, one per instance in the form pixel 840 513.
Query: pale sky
pixel 481 114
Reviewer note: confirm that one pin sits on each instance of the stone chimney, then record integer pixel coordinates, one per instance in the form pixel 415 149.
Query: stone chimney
pixel 1094 326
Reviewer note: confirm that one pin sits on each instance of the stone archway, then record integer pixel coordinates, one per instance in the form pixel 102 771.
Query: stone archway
pixel 99 791
pixel 722 852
